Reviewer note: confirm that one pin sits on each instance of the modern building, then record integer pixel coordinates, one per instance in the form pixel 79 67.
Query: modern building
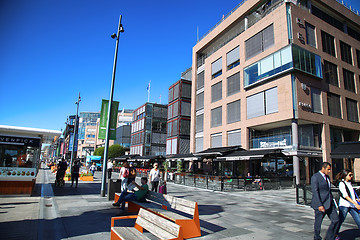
pixel 123 131
pixel 179 112
pixel 87 133
pixel 148 130
pixel 279 74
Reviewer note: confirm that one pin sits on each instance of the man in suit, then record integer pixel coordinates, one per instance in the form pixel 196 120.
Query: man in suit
pixel 322 202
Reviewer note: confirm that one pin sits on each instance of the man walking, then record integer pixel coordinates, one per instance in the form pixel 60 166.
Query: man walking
pixel 110 166
pixel 322 202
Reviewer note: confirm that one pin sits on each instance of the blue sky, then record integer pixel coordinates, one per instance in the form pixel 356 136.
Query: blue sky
pixel 50 50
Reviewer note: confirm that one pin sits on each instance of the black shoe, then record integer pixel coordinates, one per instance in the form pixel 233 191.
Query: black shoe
pixel 116 204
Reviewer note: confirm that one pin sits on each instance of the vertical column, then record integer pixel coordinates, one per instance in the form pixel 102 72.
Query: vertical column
pixel 295 140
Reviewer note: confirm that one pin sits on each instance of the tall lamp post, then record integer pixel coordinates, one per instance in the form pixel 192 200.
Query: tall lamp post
pixel 117 36
pixel 75 132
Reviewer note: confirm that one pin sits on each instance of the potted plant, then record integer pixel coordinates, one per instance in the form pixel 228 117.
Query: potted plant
pixel 86 177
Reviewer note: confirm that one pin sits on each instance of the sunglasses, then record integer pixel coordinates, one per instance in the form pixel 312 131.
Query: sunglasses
pixel 350 175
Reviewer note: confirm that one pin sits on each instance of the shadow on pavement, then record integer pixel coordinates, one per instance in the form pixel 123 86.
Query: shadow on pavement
pixel 82 189
pixel 210 209
pixel 350 234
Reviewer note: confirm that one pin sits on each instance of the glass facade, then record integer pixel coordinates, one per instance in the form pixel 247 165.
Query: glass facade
pixel 280 137
pixel 290 57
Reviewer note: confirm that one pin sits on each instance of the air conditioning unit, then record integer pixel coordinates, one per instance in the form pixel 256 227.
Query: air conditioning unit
pixel 300 22
pixel 300 37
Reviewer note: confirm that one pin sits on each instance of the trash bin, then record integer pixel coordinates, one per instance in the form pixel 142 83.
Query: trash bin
pixel 114 185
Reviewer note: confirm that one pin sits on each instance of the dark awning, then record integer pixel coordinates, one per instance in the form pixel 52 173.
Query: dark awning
pixel 148 158
pixel 214 152
pixel 126 157
pixel 252 154
pixel 187 157
pixel 347 150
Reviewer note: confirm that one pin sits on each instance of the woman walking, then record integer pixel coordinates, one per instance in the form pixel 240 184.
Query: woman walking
pixel 348 199
pixel 154 177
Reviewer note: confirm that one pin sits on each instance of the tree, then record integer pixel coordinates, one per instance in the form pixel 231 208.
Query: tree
pixel 116 150
pixel 99 152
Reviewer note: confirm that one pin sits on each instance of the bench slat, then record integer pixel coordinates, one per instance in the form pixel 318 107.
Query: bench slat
pixel 180 204
pixel 129 233
pixel 158 226
pixel 168 214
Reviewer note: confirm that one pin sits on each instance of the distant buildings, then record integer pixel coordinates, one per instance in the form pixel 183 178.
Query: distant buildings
pixel 148 130
pixel 179 111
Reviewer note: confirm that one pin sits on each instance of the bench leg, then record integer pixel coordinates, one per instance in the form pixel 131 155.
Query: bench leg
pixel 133 207
pixel 190 228
pixel 114 236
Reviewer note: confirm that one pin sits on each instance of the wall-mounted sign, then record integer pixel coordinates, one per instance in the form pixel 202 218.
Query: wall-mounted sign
pixel 23 141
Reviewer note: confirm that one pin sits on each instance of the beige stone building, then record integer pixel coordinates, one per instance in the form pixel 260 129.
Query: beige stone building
pixel 279 75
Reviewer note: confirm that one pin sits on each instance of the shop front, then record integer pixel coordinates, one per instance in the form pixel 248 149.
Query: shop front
pixel 20 150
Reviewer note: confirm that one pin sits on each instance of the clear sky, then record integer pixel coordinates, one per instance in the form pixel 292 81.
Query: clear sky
pixel 50 50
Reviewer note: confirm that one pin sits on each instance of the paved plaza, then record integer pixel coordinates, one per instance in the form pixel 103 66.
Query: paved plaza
pixel 81 213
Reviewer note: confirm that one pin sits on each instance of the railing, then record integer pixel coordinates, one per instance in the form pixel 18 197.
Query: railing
pixel 227 184
pixel 349 7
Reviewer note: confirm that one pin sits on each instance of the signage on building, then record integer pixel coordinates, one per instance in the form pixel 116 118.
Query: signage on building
pixel 113 120
pixel 273 144
pixel 22 141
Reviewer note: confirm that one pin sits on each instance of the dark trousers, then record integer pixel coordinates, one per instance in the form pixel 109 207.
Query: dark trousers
pixel 334 218
pixel 154 185
pixel 74 176
pixel 109 173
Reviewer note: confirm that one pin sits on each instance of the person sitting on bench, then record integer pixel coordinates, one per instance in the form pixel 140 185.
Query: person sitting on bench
pixel 133 196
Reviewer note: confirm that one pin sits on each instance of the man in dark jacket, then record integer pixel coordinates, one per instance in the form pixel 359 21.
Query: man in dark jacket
pixel 322 202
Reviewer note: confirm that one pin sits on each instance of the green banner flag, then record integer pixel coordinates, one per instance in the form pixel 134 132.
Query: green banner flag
pixel 113 120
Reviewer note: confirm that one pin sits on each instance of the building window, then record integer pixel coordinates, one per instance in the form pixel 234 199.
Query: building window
pixel 287 58
pixel 349 81
pixel 328 43
pixel 233 112
pixel 330 73
pixel 200 101
pixel 352 110
pixel 199 123
pixel 233 58
pixel 309 136
pixel 216 140
pixel 234 138
pixel 358 58
pixel 199 144
pixel 216 117
pixel 216 68
pixel 346 52
pixel 184 127
pixel 185 108
pixel 200 80
pixel 186 90
pixel 216 92
pixel 316 100
pixel 233 84
pixel 334 105
pixel 259 42
pixel 310 35
pixel 262 103
pixel 274 138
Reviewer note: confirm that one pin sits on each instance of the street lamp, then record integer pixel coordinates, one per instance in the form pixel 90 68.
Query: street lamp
pixel 117 36
pixel 75 132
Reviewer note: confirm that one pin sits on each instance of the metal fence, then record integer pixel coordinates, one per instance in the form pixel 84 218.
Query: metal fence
pixel 226 184
pixel 304 194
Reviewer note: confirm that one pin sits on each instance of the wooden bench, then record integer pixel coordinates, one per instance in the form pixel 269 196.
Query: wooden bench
pixel 164 205
pixel 158 226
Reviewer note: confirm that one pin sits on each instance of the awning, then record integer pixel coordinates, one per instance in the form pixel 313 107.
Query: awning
pixel 126 157
pixel 149 158
pixel 250 155
pixel 214 152
pixel 186 157
pixel 347 150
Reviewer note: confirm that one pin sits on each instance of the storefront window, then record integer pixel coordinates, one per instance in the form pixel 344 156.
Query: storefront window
pixel 280 137
pixel 277 167
pixel 19 156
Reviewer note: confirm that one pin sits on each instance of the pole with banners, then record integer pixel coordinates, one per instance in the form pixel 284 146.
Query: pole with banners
pixel 109 113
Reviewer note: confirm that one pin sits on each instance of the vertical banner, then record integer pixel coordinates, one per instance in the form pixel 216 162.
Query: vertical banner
pixel 113 120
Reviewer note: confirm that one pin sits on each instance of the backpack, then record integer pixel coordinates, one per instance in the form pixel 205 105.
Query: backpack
pixel 126 173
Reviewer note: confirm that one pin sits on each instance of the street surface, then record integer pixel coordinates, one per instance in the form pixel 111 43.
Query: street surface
pixel 81 213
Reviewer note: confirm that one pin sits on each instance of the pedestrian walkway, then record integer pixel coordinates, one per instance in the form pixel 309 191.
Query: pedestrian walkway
pixel 81 213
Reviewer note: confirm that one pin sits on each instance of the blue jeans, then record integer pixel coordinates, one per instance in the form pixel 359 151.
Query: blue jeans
pixel 126 196
pixel 343 211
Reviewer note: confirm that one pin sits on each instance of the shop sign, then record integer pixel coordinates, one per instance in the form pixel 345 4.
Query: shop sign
pixel 273 144
pixel 23 141
pixel 17 172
